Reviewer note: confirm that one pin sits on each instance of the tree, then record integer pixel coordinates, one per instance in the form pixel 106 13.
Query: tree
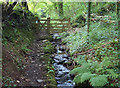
pixel 7 9
pixel 24 4
pixel 88 16
pixel 118 18
pixel 60 6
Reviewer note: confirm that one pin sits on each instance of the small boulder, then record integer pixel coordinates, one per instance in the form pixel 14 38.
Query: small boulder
pixel 39 80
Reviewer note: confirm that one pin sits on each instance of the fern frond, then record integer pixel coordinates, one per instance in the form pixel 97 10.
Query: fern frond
pixel 86 76
pixel 106 62
pixel 99 80
pixel 75 70
pixel 86 65
pixel 77 79
pixel 112 73
pixel 80 70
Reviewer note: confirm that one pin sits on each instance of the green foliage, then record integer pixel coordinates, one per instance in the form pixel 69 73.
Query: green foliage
pixel 26 49
pixel 86 76
pixel 99 65
pixel 77 78
pixel 97 74
pixel 48 47
pixel 99 80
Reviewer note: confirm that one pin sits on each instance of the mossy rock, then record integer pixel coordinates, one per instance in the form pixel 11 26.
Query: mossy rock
pixel 48 47
pixel 51 86
pixel 52 81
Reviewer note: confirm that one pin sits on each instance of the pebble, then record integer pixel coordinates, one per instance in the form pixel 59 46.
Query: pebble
pixel 39 80
pixel 18 81
pixel 27 80
pixel 40 65
pixel 32 61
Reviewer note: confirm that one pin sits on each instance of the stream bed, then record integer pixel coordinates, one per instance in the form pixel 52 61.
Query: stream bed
pixel 64 80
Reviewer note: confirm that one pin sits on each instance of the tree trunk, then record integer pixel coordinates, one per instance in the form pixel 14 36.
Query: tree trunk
pixel 60 5
pixel 24 4
pixel 10 8
pixel 118 16
pixel 7 9
pixel 118 20
pixel 88 16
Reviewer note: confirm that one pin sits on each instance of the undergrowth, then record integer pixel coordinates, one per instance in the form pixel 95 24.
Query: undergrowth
pixel 96 55
pixel 17 37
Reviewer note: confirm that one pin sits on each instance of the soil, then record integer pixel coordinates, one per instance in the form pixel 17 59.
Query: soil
pixel 35 72
pixel 36 68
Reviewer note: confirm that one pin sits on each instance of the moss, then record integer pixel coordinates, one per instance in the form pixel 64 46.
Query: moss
pixel 52 81
pixel 48 47
pixel 51 86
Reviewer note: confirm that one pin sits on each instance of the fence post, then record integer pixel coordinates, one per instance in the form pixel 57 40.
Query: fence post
pixel 48 25
pixel 63 29
pixel 69 23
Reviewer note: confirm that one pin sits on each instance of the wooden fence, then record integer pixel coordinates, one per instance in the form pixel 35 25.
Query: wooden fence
pixel 54 25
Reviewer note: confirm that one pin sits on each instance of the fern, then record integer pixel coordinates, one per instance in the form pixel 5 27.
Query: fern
pixel 80 70
pixel 106 62
pixel 86 76
pixel 112 73
pixel 99 80
pixel 77 79
pixel 75 70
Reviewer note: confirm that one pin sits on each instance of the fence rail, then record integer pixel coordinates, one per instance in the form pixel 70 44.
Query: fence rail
pixel 54 25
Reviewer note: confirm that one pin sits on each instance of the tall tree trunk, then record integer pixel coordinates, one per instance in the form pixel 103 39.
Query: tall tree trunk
pixel 24 4
pixel 7 9
pixel 60 5
pixel 118 15
pixel 88 16
pixel 118 19
pixel 10 8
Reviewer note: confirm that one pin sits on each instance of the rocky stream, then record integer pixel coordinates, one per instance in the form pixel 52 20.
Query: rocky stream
pixel 62 76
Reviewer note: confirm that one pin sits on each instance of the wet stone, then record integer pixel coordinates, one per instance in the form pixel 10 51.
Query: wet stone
pixel 57 78
pixel 65 56
pixel 65 85
pixel 59 51
pixel 69 81
pixel 56 61
pixel 59 74
pixel 57 57
pixel 62 48
pixel 39 80
pixel 58 82
pixel 62 76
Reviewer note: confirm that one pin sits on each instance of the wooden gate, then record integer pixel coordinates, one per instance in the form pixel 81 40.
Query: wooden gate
pixel 54 25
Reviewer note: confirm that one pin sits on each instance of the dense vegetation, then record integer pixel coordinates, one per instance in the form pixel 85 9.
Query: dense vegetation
pixel 94 52
pixel 96 55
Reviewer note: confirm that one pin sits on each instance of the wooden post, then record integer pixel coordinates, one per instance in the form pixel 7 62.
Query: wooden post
pixel 69 23
pixel 63 26
pixel 48 24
